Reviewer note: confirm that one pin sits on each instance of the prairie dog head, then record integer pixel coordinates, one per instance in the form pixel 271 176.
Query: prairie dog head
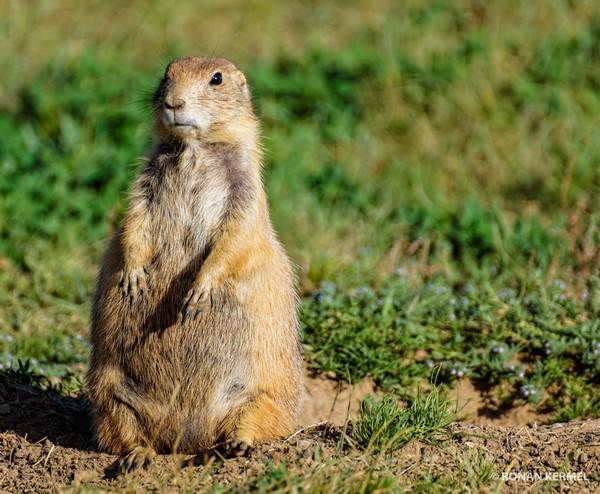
pixel 203 100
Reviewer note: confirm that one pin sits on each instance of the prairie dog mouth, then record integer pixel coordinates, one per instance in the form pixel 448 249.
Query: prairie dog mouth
pixel 179 122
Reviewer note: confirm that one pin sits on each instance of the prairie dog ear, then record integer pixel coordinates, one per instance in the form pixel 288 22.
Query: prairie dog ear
pixel 241 81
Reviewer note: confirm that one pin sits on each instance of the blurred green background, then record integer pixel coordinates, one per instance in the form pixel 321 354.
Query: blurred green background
pixel 432 140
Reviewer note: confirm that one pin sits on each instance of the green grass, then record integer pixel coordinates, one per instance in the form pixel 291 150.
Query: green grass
pixel 526 341
pixel 432 168
pixel 385 426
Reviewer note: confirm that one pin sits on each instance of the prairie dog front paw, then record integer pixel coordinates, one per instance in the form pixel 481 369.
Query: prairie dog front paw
pixel 198 297
pixel 134 284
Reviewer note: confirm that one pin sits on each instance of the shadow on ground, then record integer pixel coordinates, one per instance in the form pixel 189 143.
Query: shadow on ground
pixel 37 414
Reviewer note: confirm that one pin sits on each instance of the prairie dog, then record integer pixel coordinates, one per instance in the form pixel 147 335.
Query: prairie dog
pixel 194 335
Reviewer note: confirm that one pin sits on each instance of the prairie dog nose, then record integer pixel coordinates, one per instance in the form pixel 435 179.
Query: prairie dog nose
pixel 173 103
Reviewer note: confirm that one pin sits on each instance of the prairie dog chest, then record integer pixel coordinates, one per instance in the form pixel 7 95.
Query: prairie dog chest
pixel 192 198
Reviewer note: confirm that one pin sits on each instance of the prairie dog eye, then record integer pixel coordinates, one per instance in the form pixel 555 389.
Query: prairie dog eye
pixel 217 79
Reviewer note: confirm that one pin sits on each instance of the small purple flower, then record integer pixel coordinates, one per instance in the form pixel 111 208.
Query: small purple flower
pixel 363 291
pixel 518 369
pixel 327 286
pixel 325 291
pixel 498 348
pixel 528 390
pixel 458 369
pixel 469 289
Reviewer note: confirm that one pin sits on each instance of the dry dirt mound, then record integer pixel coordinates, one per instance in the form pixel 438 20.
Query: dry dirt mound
pixel 46 445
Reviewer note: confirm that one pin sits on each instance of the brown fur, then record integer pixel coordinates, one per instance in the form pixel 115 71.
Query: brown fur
pixel 194 328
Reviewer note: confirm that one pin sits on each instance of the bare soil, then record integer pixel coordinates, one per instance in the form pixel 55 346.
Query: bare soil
pixel 46 445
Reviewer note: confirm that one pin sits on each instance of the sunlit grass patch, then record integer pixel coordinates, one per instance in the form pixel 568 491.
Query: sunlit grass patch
pixel 386 425
pixel 527 342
